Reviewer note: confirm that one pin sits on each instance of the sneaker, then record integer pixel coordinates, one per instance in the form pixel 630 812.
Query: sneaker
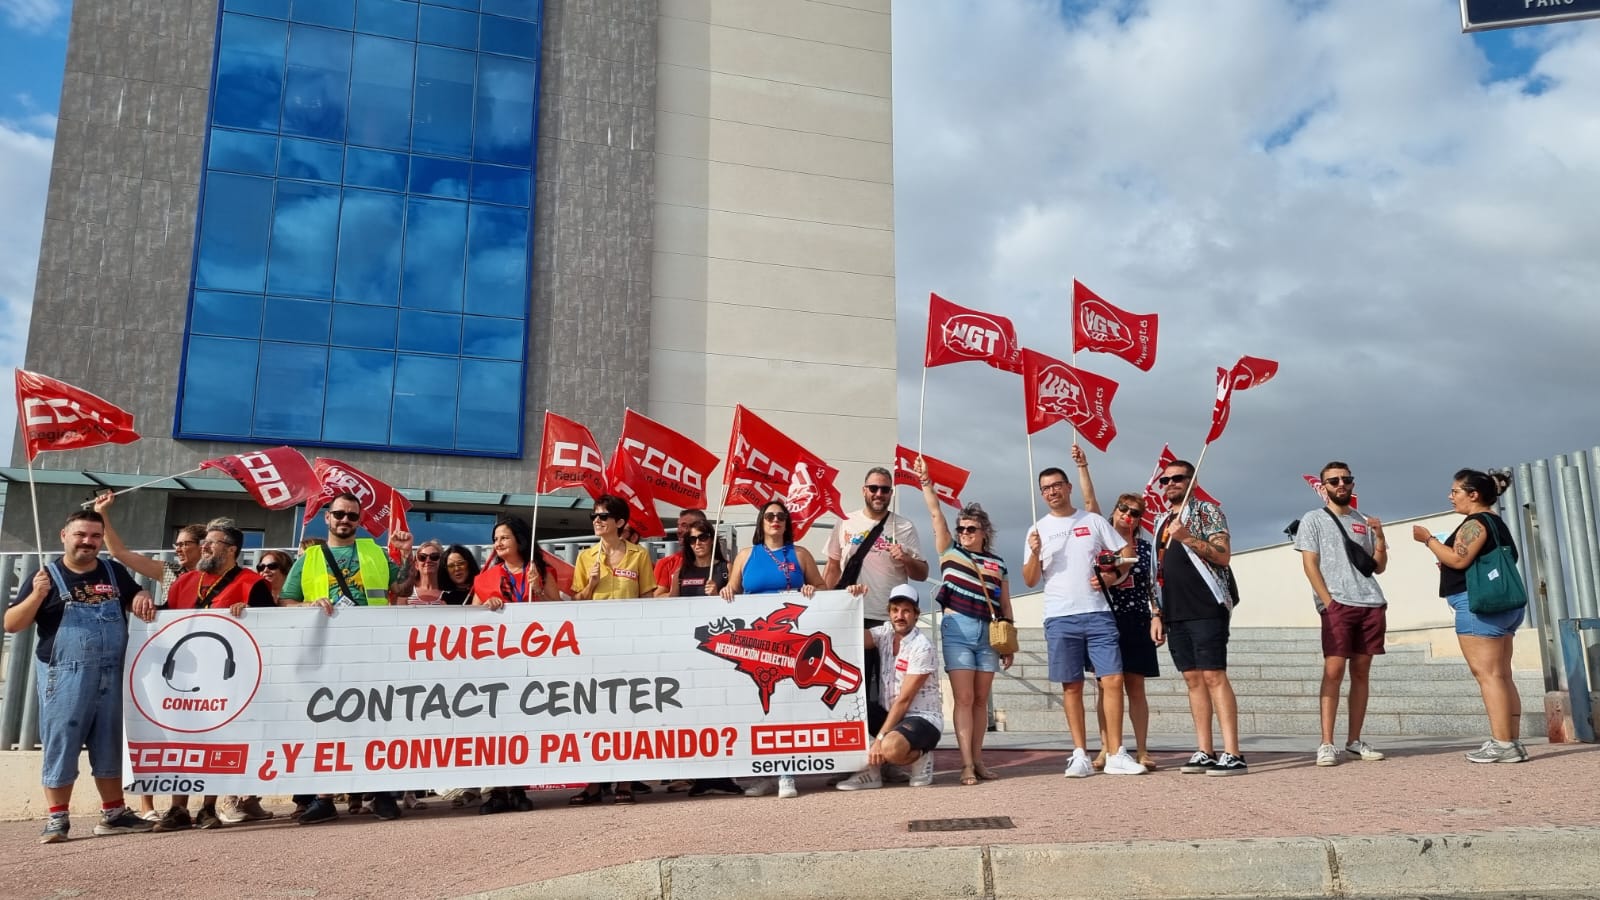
pixel 1363 751
pixel 124 822
pixel 384 807
pixel 1521 748
pixel 320 810
pixel 786 788
pixel 228 810
pixel 867 779
pixel 1495 752
pixel 150 815
pixel 176 818
pixel 1228 764
pixel 207 818
pixel 1120 763
pixel 761 787
pixel 1199 764
pixel 55 830
pixel 922 771
pixel 893 774
pixel 1328 755
pixel 299 810
pixel 1078 766
pixel 250 808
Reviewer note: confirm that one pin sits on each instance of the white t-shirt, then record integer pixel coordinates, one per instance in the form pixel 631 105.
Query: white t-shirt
pixel 1067 548
pixel 915 658
pixel 879 571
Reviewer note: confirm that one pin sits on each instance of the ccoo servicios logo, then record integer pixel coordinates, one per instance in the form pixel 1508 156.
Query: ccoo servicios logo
pixel 195 674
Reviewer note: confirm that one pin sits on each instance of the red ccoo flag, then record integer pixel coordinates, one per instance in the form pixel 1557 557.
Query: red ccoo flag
pixel 559 569
pixel 957 334
pixel 675 467
pixel 628 480
pixel 1099 327
pixel 948 479
pixel 570 457
pixel 1056 392
pixel 377 497
pixel 763 460
pixel 1155 502
pixel 57 416
pixel 1247 373
pixel 278 478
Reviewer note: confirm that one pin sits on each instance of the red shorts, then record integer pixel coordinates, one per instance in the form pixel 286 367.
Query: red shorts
pixel 1353 630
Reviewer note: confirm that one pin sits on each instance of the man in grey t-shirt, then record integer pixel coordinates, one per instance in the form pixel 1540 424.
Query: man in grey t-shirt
pixel 1350 603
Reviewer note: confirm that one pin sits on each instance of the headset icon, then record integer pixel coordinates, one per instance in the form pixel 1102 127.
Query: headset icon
pixel 170 667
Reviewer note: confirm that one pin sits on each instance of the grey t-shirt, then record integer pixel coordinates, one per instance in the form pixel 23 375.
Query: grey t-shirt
pixel 1320 535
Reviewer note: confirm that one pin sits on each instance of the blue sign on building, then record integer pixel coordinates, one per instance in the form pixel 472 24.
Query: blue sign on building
pixel 1482 15
pixel 362 257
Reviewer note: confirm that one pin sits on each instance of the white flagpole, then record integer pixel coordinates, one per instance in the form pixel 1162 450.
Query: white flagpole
pixel 38 534
pixel 922 402
pixel 1033 491
pixel 538 477
pixel 1194 479
pixel 88 503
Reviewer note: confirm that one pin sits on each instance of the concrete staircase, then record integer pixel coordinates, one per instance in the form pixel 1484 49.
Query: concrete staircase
pixel 1276 673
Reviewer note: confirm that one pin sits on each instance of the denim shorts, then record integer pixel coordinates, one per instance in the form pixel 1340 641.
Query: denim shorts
pixel 1071 641
pixel 964 641
pixel 78 705
pixel 1491 625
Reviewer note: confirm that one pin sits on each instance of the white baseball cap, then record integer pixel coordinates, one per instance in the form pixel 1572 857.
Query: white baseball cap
pixel 906 592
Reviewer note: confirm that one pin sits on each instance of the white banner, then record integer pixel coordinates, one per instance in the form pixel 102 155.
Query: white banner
pixel 392 698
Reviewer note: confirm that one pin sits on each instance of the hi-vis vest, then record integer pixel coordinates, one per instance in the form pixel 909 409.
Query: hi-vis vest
pixel 317 583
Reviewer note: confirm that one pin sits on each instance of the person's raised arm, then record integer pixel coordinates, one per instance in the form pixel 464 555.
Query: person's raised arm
pixel 152 569
pixel 1085 483
pixel 942 540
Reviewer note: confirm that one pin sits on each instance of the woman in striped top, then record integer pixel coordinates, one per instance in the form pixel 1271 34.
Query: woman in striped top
pixel 973 592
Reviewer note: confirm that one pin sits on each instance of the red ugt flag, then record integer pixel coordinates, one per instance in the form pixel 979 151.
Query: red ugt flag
pixel 948 479
pixel 570 458
pixel 1247 373
pixel 675 467
pixel 57 416
pixel 1099 327
pixel 763 460
pixel 1155 502
pixel 377 497
pixel 628 480
pixel 397 523
pixel 1056 392
pixel 278 478
pixel 957 334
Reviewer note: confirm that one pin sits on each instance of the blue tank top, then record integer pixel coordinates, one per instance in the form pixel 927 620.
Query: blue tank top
pixel 770 571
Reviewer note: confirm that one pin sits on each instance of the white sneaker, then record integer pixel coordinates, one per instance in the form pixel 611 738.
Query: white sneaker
pixel 1079 766
pixel 761 787
pixel 786 788
pixel 1364 751
pixel 922 771
pixel 228 811
pixel 1327 755
pixel 865 780
pixel 1120 763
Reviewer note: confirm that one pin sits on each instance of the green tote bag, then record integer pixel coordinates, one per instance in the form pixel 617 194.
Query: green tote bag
pixel 1494 585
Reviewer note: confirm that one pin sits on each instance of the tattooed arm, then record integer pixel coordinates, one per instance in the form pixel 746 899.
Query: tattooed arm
pixel 1469 542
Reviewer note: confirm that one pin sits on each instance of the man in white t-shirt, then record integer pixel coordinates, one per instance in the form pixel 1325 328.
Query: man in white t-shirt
pixel 915 716
pixel 1063 548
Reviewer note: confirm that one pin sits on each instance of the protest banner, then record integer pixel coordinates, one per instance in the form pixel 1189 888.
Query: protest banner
pixel 388 698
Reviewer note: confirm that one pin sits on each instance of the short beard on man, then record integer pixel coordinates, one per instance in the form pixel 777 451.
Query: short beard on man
pixel 210 564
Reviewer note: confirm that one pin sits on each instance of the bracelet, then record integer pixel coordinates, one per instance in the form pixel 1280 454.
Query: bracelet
pixel 1155 614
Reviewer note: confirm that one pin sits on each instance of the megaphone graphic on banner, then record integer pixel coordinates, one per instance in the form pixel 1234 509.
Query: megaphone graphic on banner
pixel 817 664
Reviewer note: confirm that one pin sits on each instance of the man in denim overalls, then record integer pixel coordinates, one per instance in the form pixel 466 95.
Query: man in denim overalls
pixel 80 603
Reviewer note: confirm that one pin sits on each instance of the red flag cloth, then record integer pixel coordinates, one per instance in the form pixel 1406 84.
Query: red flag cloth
pixel 676 468
pixel 957 334
pixel 948 479
pixel 1155 502
pixel 628 480
pixel 1099 327
pixel 397 523
pixel 1316 485
pixel 559 569
pixel 1056 392
pixel 376 496
pixel 570 457
pixel 278 478
pixel 762 458
pixel 1247 373
pixel 57 416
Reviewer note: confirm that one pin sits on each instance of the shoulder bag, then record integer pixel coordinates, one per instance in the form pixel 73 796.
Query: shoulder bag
pixel 1359 557
pixel 1002 632
pixel 852 566
pixel 1494 585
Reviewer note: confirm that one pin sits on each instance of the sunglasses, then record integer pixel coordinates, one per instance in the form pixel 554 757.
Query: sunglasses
pixel 1130 510
pixel 967 529
pixel 1172 479
pixel 697 538
pixel 601 517
pixel 339 515
pixel 269 567
pixel 1337 480
pixel 879 488
pixel 428 557
pixel 457 563
pixel 775 516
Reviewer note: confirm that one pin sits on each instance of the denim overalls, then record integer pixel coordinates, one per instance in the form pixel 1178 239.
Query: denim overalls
pixel 80 689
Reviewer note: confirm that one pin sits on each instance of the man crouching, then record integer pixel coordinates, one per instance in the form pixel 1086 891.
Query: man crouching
pixel 910 729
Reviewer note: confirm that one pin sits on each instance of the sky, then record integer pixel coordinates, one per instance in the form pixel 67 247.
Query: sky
pixel 1402 215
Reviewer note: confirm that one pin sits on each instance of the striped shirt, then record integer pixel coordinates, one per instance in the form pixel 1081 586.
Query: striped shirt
pixel 963 589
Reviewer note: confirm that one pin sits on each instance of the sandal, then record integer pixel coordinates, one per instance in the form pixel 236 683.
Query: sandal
pixel 679 786
pixel 624 793
pixel 588 797
pixel 985 773
pixel 969 775
pixel 1148 763
pixel 465 797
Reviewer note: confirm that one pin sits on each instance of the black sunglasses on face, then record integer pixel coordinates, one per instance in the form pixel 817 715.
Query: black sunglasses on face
pixel 1130 510
pixel 775 516
pixel 1337 480
pixel 267 567
pixel 879 488
pixel 428 557
pixel 1173 479
pixel 600 517
pixel 697 538
pixel 339 515
pixel 967 529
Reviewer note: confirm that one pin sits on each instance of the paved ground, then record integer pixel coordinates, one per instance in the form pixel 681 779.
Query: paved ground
pixel 446 853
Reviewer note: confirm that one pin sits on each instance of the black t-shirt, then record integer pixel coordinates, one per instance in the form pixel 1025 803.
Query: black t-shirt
pixel 455 596
pixel 692 578
pixel 1454 581
pixel 1184 593
pixel 91 585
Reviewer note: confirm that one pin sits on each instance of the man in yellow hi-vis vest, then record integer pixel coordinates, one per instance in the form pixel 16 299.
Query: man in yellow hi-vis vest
pixel 368 578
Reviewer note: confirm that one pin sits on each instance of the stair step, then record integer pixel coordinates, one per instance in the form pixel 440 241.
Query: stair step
pixel 1039 671
pixel 1459 705
pixel 1281 723
pixel 1169 689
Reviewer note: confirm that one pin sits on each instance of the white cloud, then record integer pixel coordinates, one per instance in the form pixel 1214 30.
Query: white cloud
pixel 24 178
pixel 1329 185
pixel 33 15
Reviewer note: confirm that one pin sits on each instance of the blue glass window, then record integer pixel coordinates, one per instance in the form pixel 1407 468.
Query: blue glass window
pixel 361 273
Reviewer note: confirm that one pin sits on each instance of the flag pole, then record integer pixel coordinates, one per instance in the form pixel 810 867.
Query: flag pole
pixel 1194 479
pixel 38 534
pixel 538 481
pixel 1033 492
pixel 88 503
pixel 921 404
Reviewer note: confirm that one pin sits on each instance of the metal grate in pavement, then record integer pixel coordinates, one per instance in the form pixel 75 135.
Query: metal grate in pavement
pixel 978 823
